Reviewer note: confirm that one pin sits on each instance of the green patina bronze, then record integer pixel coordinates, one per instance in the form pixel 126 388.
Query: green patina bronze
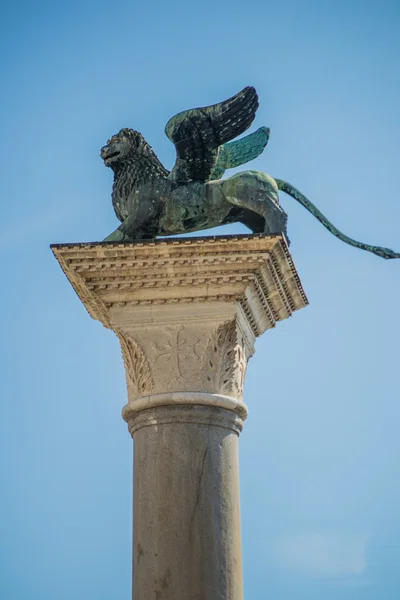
pixel 151 201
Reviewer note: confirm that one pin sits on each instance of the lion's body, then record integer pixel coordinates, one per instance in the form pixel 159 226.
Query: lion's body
pixel 151 201
pixel 160 207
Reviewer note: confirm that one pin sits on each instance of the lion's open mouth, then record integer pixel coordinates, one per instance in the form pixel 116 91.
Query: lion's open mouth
pixel 111 155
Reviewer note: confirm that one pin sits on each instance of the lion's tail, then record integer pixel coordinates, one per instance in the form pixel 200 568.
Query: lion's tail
pixel 292 191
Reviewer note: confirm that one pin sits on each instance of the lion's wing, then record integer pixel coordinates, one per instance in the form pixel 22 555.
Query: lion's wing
pixel 198 133
pixel 240 151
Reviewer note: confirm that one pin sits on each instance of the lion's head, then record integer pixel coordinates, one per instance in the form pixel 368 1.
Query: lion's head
pixel 122 146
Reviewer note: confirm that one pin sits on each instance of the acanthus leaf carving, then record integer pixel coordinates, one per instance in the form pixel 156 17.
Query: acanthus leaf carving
pixel 225 361
pixel 138 374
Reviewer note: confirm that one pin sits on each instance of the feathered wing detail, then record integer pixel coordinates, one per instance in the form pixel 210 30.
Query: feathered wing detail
pixel 292 191
pixel 198 133
pixel 241 151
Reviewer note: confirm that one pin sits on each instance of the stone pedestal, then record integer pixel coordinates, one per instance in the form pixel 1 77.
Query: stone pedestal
pixel 187 312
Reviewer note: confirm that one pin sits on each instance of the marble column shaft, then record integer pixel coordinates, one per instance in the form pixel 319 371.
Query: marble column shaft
pixel 186 504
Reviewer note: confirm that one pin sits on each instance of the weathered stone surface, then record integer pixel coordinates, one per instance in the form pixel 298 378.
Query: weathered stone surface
pixel 186 504
pixel 187 313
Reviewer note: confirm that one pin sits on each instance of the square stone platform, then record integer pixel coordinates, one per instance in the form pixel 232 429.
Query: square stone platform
pixel 255 270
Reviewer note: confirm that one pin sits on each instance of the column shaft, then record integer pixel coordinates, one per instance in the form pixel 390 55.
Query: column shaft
pixel 186 504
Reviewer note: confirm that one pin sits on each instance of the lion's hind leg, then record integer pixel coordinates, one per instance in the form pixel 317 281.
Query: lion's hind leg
pixel 255 222
pixel 257 193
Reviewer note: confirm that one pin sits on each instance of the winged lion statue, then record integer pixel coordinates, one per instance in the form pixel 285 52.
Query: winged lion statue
pixel 151 201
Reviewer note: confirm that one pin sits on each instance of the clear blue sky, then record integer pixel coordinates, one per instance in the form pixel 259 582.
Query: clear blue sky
pixel 320 451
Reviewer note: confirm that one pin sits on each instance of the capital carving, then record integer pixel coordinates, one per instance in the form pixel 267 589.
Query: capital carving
pixel 139 379
pixel 225 361
pixel 206 356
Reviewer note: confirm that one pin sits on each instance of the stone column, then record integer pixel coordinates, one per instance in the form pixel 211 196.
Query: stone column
pixel 187 312
pixel 189 361
pixel 186 503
